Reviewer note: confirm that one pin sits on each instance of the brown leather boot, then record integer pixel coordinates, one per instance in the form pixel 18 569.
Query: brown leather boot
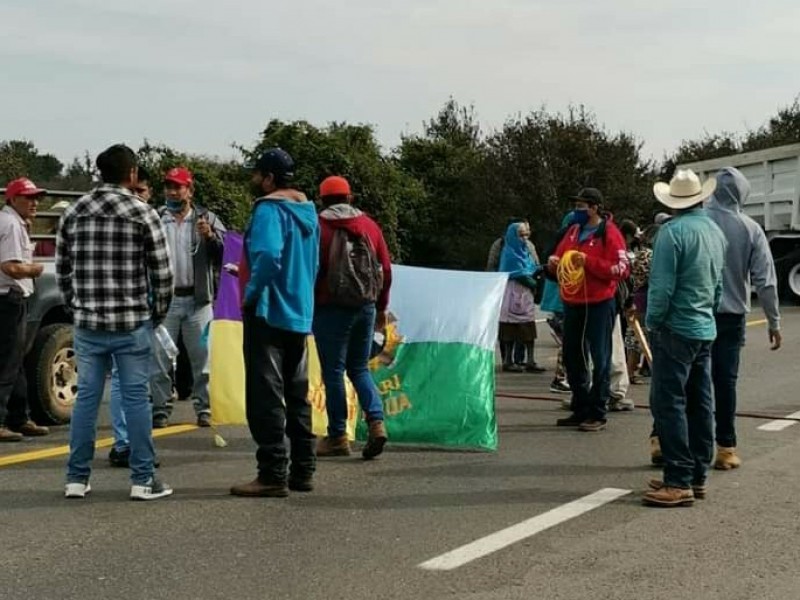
pixel 31 429
pixel 727 459
pixel 338 446
pixel 700 490
pixel 668 497
pixel 6 435
pixel 376 440
pixel 258 489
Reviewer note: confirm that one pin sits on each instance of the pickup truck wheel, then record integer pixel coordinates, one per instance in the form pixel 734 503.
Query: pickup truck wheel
pixel 53 374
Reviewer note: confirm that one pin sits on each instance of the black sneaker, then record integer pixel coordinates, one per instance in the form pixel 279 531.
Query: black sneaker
pixel 119 458
pixel 204 420
pixel 152 490
pixel 559 386
pixel 160 421
pixel 571 421
pixel 301 483
pixel 593 425
pixel 122 458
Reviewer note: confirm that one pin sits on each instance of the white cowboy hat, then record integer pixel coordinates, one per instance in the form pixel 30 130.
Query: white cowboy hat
pixel 685 190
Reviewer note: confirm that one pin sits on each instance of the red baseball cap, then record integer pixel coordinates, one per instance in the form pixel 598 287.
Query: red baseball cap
pixel 334 186
pixel 179 175
pixel 23 187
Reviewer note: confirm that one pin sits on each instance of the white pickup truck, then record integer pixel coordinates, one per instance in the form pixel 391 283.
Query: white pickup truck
pixel 774 175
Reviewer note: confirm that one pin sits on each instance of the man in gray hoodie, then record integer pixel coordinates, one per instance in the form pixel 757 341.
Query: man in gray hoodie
pixel 747 261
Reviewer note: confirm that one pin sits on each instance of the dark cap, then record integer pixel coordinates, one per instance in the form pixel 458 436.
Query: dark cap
pixel 591 196
pixel 276 161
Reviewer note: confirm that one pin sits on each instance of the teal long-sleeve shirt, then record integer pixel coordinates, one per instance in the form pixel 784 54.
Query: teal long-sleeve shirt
pixel 686 276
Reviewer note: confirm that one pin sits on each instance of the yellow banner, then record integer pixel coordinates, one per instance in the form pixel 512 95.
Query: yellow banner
pixel 227 389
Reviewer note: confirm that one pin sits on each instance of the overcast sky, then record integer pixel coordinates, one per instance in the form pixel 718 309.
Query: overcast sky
pixel 202 74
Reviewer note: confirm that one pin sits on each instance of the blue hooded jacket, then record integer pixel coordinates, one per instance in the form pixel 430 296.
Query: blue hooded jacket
pixel 551 297
pixel 516 259
pixel 281 243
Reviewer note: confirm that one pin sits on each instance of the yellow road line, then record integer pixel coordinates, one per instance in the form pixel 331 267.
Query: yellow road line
pixel 759 322
pixel 55 451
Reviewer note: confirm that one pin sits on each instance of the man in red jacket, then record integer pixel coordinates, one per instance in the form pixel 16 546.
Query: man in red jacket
pixel 352 294
pixel 590 308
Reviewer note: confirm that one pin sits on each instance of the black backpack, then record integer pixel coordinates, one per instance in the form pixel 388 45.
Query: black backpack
pixel 355 275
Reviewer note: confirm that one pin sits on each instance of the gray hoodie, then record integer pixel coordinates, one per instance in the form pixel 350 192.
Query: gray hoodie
pixel 748 259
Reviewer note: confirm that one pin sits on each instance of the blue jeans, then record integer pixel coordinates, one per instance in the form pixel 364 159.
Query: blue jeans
pixel 587 338
pixel 118 424
pixel 725 373
pixel 94 351
pixel 186 319
pixel 680 399
pixel 344 341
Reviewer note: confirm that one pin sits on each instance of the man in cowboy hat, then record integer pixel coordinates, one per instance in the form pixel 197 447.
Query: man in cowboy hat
pixel 684 293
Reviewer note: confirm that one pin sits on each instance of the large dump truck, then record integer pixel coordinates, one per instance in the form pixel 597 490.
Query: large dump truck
pixel 774 202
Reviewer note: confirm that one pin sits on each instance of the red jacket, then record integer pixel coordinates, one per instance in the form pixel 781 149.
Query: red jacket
pixel 604 249
pixel 357 223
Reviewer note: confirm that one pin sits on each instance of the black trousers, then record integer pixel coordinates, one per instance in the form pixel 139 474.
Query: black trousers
pixel 13 383
pixel 276 389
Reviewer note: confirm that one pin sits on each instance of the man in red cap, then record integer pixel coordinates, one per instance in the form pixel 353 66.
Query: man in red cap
pixel 352 294
pixel 194 235
pixel 17 272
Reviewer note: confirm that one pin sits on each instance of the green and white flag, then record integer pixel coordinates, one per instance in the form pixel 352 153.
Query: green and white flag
pixel 436 374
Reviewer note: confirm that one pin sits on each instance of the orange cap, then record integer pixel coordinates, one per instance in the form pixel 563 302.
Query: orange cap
pixel 334 186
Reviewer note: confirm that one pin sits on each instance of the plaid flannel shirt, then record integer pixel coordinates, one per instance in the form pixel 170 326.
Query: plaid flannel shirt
pixel 112 263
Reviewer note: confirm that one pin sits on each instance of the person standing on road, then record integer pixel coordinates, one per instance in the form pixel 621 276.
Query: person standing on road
pixel 17 272
pixel 195 237
pixel 685 290
pixel 277 276
pixel 113 270
pixel 518 351
pixel 748 260
pixel 120 453
pixel 518 310
pixel 589 310
pixel 352 295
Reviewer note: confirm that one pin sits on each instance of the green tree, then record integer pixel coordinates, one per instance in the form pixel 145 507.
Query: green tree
pixel 453 223
pixel 380 188
pixel 20 158
pixel 540 160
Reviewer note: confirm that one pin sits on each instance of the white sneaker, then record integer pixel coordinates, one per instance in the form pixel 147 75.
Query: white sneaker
pixel 623 405
pixel 77 490
pixel 152 490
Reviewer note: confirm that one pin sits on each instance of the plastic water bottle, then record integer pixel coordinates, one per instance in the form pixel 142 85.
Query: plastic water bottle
pixel 163 337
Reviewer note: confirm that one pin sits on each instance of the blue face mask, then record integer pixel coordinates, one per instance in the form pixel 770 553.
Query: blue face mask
pixel 174 206
pixel 580 217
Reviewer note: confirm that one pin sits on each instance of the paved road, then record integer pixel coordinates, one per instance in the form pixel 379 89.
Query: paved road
pixel 367 527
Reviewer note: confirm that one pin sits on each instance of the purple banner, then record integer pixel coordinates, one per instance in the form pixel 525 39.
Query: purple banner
pixel 228 303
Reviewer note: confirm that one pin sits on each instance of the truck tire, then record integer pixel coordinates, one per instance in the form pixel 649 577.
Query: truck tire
pixel 789 278
pixel 53 374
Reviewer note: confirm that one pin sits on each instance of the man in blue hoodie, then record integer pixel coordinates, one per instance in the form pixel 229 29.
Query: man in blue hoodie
pixel 748 260
pixel 277 275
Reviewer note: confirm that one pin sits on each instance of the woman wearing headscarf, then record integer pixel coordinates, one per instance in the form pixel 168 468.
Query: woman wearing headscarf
pixel 518 312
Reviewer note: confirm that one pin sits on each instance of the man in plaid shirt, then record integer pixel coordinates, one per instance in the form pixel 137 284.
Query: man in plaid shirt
pixel 114 271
